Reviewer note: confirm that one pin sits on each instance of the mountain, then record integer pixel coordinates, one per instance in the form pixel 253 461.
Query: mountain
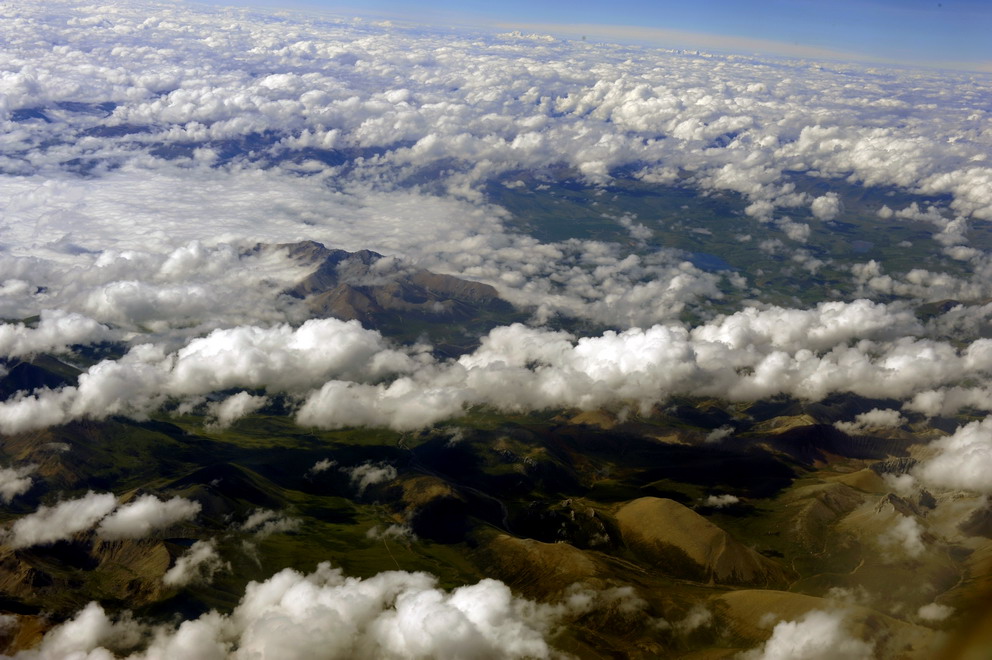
pixel 679 541
pixel 396 298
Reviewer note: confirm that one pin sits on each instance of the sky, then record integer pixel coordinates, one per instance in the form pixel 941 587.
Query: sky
pixel 919 32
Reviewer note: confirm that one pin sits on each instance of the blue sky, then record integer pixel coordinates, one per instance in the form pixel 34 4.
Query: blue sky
pixel 911 31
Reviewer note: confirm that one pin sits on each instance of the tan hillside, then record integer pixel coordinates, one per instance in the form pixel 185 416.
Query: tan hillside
pixel 683 543
pixel 812 509
pixel 784 423
pixel 542 569
pixel 866 480
pixel 126 569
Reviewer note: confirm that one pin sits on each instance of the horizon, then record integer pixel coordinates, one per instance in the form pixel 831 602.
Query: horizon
pixel 944 35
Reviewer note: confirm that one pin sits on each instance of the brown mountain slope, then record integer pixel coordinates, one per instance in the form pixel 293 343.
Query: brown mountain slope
pixel 398 299
pixel 366 286
pixel 681 542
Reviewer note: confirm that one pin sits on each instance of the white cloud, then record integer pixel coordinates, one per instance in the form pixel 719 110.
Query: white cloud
pixel 198 565
pixel 322 465
pixel 824 326
pixel 235 407
pixel 875 418
pixel 157 236
pixel 83 634
pixel 817 635
pixel 906 534
pixel 826 207
pixel 15 481
pixel 61 521
pixel 904 485
pixel 368 474
pixel 934 612
pixel 393 614
pixel 720 501
pixel 962 460
pixel 949 400
pixel 859 347
pixel 282 358
pixel 718 434
pixel 637 230
pixel 796 231
pixel 147 513
pixel 55 332
pixel 506 109
pixel 138 261
pixel 405 404
pixel 696 618
pixel 263 523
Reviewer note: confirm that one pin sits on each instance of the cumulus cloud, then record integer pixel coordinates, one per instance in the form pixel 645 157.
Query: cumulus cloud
pixel 934 612
pixel 875 418
pixel 949 400
pixel 636 229
pixel 696 618
pixel 479 110
pixel 720 501
pixel 906 534
pixel 263 523
pixel 368 474
pixel 136 519
pixel 235 407
pixel 718 434
pixel 824 326
pixel 346 375
pixel 817 635
pixel 393 614
pixel 197 566
pixel 147 513
pixel 405 404
pixel 322 465
pixel 837 347
pixel 61 521
pixel 962 460
pixel 15 481
pixel 796 231
pixel 508 110
pixel 280 358
pixel 55 332
pixel 826 207
pixel 849 596
pixel 181 287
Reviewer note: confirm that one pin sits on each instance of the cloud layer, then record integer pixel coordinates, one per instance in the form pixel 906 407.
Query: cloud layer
pixel 380 137
pixel 344 375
